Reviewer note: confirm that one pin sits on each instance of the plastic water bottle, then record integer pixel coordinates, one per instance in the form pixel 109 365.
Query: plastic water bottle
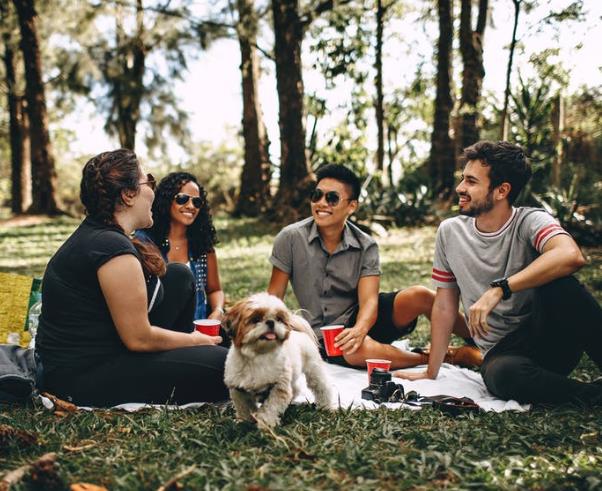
pixel 33 320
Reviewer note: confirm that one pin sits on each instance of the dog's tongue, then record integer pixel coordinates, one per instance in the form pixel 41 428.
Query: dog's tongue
pixel 270 335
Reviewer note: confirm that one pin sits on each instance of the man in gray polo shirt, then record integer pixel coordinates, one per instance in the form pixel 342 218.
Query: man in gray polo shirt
pixel 511 268
pixel 334 270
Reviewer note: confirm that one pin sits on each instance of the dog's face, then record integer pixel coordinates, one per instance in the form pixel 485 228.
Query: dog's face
pixel 260 323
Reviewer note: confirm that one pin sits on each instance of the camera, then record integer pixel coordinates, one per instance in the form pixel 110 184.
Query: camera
pixel 382 388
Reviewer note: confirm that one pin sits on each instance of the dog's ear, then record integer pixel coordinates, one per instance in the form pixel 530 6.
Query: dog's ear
pixel 232 318
pixel 234 322
pixel 298 323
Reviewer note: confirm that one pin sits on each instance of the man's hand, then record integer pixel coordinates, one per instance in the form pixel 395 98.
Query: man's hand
pixel 480 310
pixel 349 340
pixel 412 375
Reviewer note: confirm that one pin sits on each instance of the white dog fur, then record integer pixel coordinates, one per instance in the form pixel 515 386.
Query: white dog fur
pixel 271 348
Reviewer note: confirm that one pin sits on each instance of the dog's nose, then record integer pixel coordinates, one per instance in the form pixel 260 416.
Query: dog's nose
pixel 270 324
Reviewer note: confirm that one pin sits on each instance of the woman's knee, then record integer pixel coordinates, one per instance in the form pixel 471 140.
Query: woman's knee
pixel 178 273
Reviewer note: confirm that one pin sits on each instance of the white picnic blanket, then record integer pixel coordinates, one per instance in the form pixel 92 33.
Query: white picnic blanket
pixel 452 381
pixel 348 384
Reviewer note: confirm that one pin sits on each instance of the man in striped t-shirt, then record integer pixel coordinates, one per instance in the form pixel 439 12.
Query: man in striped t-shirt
pixel 511 268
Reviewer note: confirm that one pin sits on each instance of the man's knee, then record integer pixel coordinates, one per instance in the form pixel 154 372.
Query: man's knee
pixel 358 358
pixel 507 377
pixel 558 289
pixel 416 297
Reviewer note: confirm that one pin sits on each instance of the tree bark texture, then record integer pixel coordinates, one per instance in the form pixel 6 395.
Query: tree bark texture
pixel 442 158
pixel 295 175
pixel 254 193
pixel 379 102
pixel 504 115
pixel 18 127
pixel 127 85
pixel 471 48
pixel 42 159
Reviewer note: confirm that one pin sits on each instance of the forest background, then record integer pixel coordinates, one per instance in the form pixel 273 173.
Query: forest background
pixel 393 88
pixel 252 96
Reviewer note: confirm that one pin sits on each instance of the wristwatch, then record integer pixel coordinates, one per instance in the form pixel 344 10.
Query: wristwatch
pixel 503 284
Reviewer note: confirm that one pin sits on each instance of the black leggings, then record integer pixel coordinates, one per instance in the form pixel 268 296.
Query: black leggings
pixel 532 363
pixel 179 376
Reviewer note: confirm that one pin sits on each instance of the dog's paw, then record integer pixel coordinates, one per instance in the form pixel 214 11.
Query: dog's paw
pixel 246 416
pixel 265 422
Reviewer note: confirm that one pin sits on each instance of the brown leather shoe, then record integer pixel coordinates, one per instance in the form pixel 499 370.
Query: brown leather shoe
pixel 464 356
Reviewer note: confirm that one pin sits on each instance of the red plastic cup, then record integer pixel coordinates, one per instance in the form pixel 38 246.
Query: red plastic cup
pixel 208 326
pixel 373 363
pixel 329 333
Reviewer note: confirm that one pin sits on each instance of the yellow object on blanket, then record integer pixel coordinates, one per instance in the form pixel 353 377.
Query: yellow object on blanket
pixel 15 293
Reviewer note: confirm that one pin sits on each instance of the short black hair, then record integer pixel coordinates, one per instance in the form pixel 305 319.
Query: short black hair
pixel 507 162
pixel 340 173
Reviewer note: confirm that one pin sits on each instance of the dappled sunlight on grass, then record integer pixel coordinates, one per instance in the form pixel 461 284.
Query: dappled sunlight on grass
pixel 548 448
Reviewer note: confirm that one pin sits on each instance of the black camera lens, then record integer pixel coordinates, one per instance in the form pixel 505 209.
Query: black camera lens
pixel 379 376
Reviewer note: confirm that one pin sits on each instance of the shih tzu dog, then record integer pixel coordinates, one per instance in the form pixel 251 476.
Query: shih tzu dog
pixel 271 348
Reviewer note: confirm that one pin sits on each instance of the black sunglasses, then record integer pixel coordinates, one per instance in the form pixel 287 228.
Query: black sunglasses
pixel 151 182
pixel 332 197
pixel 182 199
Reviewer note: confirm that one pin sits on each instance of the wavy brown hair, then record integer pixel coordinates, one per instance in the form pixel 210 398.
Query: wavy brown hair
pixel 104 178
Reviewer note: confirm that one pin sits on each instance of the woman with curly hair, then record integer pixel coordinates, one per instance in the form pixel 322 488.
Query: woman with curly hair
pixel 115 323
pixel 184 232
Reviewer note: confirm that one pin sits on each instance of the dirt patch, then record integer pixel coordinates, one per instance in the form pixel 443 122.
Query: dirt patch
pixel 24 220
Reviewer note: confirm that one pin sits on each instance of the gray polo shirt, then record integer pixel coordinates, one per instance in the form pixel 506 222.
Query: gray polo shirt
pixel 325 284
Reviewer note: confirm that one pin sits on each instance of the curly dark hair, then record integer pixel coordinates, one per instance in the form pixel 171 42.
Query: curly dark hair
pixel 507 163
pixel 201 234
pixel 104 178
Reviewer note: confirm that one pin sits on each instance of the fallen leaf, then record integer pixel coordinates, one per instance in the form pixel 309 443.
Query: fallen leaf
pixel 85 486
pixel 20 438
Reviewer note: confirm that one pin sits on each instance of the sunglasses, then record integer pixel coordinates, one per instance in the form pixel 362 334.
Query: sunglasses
pixel 151 182
pixel 182 199
pixel 332 197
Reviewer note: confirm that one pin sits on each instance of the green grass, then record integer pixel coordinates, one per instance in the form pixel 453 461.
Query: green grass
pixel 548 448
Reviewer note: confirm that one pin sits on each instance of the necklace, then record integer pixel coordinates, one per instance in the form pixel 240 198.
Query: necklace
pixel 173 244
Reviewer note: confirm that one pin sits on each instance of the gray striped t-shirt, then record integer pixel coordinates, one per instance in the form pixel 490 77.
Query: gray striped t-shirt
pixel 470 260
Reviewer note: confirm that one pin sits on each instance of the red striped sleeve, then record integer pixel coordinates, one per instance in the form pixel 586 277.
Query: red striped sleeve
pixel 545 232
pixel 443 276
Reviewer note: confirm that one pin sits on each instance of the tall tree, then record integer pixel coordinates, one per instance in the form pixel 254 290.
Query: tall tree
pixel 254 193
pixel 42 160
pixel 442 158
pixel 471 48
pixel 294 169
pixel 17 121
pixel 127 69
pixel 504 115
pixel 378 81
pixel 126 78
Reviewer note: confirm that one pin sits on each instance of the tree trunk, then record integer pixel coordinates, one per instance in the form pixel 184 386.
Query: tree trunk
pixel 295 175
pixel 557 129
pixel 17 122
pixel 128 85
pixel 379 102
pixel 442 160
pixel 504 116
pixel 471 48
pixel 254 193
pixel 42 160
